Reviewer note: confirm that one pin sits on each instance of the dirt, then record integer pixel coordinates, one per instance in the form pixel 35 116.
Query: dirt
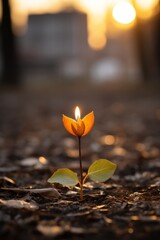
pixel 33 144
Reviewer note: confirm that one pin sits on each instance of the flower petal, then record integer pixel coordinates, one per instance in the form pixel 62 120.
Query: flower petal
pixel 88 121
pixel 79 128
pixel 68 123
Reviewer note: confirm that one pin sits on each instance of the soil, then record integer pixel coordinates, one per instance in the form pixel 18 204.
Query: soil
pixel 33 144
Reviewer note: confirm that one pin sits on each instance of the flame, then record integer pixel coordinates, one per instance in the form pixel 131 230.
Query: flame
pixel 77 113
pixel 81 127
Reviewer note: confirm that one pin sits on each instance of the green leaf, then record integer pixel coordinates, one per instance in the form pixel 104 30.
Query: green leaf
pixel 101 170
pixel 64 176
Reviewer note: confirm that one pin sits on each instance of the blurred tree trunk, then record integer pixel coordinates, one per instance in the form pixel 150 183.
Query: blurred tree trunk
pixel 9 57
pixel 147 39
pixel 141 49
pixel 157 41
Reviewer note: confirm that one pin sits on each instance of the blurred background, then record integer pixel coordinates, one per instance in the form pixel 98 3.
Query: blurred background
pixel 60 41
pixel 102 55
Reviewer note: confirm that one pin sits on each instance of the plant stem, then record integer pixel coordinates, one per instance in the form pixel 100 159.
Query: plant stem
pixel 81 169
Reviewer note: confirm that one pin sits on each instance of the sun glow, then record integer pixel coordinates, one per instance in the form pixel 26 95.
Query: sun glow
pixel 124 12
pixel 95 11
pixel 99 13
pixel 77 113
pixel 97 31
pixel 147 4
pixel 146 8
pixel 95 6
pixel 96 22
pixel 21 9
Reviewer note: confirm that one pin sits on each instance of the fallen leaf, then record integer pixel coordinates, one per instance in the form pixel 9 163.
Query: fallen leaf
pixel 19 204
pixel 47 192
pixel 51 229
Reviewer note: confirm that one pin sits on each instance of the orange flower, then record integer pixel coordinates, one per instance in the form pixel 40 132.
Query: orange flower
pixel 79 127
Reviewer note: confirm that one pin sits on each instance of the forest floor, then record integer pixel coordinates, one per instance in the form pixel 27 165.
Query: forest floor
pixel 34 143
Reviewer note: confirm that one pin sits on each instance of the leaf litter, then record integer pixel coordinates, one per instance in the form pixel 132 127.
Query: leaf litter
pixel 125 207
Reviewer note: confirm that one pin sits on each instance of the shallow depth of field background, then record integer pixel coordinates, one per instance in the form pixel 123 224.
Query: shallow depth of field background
pixel 104 56
pixel 79 42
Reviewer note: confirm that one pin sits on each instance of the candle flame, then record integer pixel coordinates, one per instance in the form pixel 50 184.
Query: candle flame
pixel 77 113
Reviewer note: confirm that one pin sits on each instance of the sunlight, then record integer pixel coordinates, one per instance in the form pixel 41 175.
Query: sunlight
pixel 97 11
pixel 124 12
pixel 38 6
pixel 97 31
pixel 147 4
pixel 95 6
pixel 97 41
pixel 96 22
pixel 147 8
pixel 21 9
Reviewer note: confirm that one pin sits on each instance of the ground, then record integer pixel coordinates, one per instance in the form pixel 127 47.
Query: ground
pixel 34 143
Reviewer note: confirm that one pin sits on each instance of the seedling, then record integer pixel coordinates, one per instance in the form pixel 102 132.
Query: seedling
pixel 99 171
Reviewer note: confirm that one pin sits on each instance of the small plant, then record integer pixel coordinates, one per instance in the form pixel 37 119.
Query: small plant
pixel 101 170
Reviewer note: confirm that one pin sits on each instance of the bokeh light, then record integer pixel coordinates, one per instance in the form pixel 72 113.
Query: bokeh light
pixel 97 41
pixel 124 12
pixel 94 6
pixel 98 14
pixel 97 25
pixel 96 31
pixel 108 140
pixel 146 8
